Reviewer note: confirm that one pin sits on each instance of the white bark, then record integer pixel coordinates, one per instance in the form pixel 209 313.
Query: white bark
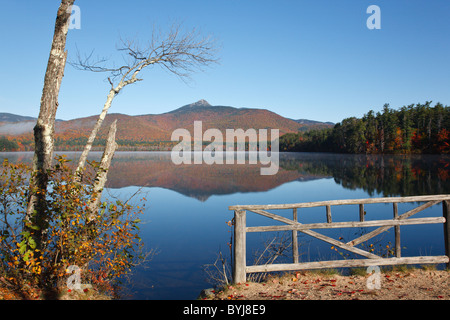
pixel 94 132
pixel 109 99
pixel 44 129
pixel 102 173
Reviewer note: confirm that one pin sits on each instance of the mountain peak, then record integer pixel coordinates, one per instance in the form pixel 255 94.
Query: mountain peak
pixel 200 103
pixel 193 106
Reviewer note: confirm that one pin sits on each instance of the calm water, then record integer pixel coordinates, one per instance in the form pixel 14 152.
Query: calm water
pixel 187 208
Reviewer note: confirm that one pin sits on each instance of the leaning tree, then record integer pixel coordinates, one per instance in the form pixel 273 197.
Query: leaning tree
pixel 180 53
pixel 176 51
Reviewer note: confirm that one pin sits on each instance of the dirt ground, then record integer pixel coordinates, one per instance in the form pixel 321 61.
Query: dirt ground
pixel 414 284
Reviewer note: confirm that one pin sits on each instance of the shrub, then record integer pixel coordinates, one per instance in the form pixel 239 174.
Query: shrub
pixel 103 250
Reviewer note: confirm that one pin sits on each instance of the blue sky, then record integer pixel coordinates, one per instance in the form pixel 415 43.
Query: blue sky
pixel 302 59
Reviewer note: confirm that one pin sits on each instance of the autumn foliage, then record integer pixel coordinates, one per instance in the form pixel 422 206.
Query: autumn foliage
pixel 104 249
pixel 418 129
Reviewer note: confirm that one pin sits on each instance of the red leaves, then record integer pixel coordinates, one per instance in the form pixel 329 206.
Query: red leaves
pixel 350 293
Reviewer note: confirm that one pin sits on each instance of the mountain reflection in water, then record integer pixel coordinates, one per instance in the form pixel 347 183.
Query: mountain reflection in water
pixel 387 175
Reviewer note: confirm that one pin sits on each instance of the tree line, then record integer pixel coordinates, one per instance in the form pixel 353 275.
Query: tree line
pixel 417 128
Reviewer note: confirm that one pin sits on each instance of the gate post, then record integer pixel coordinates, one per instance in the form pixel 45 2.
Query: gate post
pixel 446 215
pixel 239 263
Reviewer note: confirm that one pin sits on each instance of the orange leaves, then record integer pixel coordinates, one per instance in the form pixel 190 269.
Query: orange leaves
pixel 106 248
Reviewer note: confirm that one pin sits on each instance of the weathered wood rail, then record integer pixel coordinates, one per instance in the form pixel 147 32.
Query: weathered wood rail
pixel 240 268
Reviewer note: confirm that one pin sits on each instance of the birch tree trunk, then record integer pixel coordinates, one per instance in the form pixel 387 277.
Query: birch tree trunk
pixel 44 129
pixel 109 99
pixel 98 124
pixel 102 172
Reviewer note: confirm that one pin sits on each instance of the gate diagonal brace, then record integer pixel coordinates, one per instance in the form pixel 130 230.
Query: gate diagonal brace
pixel 317 235
pixel 379 230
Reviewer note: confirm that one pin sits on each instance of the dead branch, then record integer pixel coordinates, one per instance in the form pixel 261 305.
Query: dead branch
pixel 180 53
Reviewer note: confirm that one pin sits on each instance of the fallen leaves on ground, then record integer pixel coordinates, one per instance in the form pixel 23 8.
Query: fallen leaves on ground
pixel 415 284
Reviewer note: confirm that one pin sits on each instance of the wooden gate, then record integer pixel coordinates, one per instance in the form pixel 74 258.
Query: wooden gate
pixel 240 268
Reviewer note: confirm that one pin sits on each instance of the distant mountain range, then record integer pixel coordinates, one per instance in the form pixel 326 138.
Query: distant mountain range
pixel 9 117
pixel 313 122
pixel 159 127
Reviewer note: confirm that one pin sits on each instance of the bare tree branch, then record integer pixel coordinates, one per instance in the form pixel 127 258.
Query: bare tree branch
pixel 179 53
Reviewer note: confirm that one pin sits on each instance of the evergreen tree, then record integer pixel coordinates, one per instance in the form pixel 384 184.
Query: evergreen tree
pixel 416 128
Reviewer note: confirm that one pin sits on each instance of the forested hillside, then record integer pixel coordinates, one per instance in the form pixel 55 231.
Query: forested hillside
pixel 153 131
pixel 418 128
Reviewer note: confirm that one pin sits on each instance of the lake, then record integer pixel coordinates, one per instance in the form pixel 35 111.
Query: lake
pixel 187 208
